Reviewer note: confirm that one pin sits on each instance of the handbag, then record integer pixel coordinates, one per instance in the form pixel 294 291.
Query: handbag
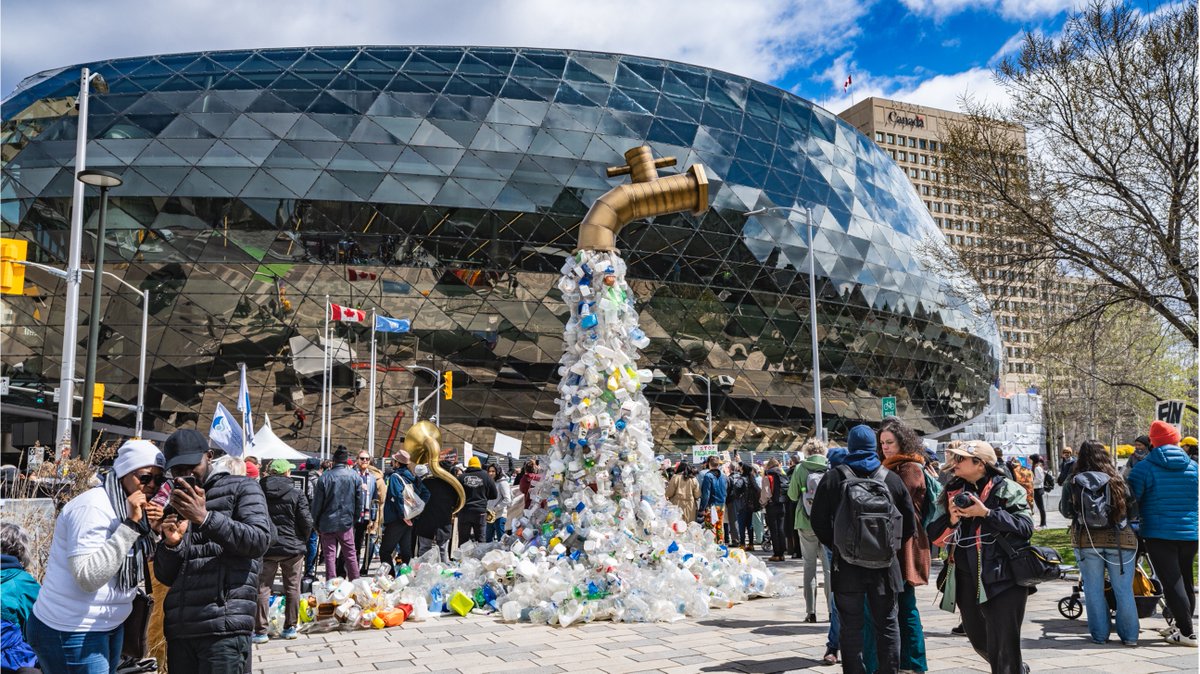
pixel 413 504
pixel 137 625
pixel 1031 564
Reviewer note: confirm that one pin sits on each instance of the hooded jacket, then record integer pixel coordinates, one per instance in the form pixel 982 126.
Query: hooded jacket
pixel 1164 485
pixel 18 591
pixel 213 572
pixel 337 499
pixel 480 488
pixel 289 513
pixel 799 484
pixel 684 492
pixel 402 478
pixel 712 489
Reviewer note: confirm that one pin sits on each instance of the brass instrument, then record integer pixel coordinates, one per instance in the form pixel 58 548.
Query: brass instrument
pixel 423 442
pixel 647 196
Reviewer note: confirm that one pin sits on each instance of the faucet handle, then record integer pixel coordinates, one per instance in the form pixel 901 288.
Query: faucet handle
pixel 625 169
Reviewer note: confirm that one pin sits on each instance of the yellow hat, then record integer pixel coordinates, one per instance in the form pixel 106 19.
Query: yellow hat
pixel 474 462
pixel 1189 440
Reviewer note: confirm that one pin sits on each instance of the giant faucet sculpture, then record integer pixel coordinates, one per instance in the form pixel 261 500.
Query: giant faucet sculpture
pixel 423 442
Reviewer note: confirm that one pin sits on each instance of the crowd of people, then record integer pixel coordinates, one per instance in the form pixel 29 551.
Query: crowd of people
pixel 878 515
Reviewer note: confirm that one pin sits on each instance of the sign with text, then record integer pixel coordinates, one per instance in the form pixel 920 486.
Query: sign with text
pixel 700 453
pixel 1170 411
pixel 889 407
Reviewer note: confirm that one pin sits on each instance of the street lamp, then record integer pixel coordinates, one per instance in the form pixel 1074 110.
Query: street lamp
pixel 105 181
pixel 437 387
pixel 819 425
pixel 71 310
pixel 145 295
pixel 708 400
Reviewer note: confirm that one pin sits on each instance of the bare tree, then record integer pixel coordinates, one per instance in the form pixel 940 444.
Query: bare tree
pixel 1106 189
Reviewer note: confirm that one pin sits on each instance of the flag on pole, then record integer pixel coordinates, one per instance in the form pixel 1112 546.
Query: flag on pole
pixel 357 275
pixel 225 432
pixel 385 324
pixel 346 314
pixel 846 85
pixel 243 405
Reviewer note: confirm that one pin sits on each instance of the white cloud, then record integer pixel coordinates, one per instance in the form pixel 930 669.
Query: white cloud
pixel 761 39
pixel 942 91
pixel 1015 10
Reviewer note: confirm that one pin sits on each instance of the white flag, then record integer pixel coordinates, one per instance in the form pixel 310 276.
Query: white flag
pixel 225 431
pixel 243 405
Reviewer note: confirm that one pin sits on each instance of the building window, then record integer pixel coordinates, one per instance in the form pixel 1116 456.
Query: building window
pixel 900 139
pixel 924 159
pixel 903 155
pixel 891 139
pixel 922 143
pixel 925 190
pixel 878 136
pixel 912 172
pixel 924 173
pixel 912 142
pixel 935 176
pixel 893 153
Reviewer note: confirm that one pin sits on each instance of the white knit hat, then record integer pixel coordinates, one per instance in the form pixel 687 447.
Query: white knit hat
pixel 136 454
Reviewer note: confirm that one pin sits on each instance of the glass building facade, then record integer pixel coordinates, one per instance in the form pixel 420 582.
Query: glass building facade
pixel 445 186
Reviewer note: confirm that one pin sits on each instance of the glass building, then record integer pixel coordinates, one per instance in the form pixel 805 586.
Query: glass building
pixel 444 185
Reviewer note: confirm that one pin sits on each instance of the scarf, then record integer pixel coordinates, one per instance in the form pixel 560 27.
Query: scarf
pixel 130 575
pixel 892 462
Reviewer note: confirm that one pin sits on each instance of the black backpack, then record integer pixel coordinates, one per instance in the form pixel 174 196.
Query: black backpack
pixel 737 487
pixel 1091 499
pixel 779 496
pixel 867 526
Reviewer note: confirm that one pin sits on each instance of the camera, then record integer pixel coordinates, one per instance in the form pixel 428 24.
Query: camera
pixel 964 499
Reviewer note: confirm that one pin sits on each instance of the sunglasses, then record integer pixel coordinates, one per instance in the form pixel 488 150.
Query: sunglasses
pixel 147 478
pixel 364 458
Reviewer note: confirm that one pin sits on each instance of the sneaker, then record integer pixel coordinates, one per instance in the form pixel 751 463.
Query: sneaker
pixel 960 630
pixel 1165 631
pixel 289 634
pixel 830 658
pixel 810 618
pixel 259 639
pixel 1177 639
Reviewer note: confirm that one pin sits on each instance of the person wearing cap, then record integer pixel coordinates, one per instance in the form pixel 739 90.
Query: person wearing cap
pixel 480 489
pixel 97 563
pixel 861 593
pixel 397 545
pixel 210 557
pixel 370 520
pixel 978 578
pixel 1191 446
pixel 288 509
pixel 337 502
pixel 1164 485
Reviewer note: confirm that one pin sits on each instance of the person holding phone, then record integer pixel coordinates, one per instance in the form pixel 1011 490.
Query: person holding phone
pixel 210 556
pixel 96 565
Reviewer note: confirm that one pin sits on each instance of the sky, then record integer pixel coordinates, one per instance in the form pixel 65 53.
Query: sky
pixel 929 52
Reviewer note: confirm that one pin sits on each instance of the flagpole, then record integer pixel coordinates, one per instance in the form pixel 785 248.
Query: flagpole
pixel 371 397
pixel 324 376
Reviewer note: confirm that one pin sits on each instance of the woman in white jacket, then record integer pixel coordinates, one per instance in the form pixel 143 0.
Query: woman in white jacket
pixel 97 562
pixel 497 508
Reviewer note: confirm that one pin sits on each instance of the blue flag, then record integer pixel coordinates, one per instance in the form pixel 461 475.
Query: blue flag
pixel 385 324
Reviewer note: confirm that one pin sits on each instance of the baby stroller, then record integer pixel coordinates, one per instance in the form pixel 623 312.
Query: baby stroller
pixel 1072 607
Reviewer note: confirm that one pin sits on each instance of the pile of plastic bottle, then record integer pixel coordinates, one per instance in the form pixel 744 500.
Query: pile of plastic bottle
pixel 601 541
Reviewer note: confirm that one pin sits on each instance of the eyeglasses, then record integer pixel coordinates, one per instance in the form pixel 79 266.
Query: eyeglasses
pixel 147 478
pixel 364 458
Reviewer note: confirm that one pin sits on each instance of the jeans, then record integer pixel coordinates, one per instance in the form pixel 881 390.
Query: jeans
pixel 74 652
pixel 744 534
pixel 209 655
pixel 731 520
pixel 854 609
pixel 834 640
pixel 810 547
pixel 759 522
pixel 329 548
pixel 397 545
pixel 1092 564
pixel 310 558
pixel 1172 562
pixel 1039 500
pixel 290 566
pixel 912 635
pixel 495 530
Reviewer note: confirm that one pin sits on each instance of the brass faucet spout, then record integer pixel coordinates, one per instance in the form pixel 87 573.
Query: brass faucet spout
pixel 647 196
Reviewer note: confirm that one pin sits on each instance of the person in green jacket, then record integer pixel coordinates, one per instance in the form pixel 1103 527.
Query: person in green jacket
pixel 814 463
pixel 18 589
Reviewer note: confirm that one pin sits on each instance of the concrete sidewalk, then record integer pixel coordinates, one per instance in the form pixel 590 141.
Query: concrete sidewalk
pixel 765 635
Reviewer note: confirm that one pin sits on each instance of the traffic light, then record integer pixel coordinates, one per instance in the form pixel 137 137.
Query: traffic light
pixel 40 396
pixel 98 401
pixel 448 384
pixel 12 273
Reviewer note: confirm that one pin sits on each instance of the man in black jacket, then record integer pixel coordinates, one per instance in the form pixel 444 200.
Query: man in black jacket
pixel 210 556
pixel 480 488
pixel 435 523
pixel 854 586
pixel 337 502
pixel 288 509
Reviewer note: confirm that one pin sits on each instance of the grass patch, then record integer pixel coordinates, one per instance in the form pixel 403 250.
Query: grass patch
pixel 1060 540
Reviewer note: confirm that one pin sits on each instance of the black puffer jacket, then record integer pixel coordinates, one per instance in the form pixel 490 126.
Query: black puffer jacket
pixel 289 513
pixel 213 573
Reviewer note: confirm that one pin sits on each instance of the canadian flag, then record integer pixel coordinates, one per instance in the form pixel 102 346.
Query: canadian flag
pixel 849 81
pixel 356 275
pixel 340 313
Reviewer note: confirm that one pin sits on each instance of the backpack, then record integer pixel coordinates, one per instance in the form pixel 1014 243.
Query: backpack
pixel 867 525
pixel 1091 498
pixel 779 490
pixel 933 493
pixel 810 489
pixel 737 488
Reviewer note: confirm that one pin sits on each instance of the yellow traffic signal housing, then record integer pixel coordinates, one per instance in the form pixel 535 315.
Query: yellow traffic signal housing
pixel 12 273
pixel 448 384
pixel 98 401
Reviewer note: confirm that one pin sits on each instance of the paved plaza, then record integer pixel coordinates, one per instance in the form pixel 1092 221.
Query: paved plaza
pixel 765 635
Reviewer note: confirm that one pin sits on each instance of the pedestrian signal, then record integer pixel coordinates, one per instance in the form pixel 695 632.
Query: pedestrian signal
pixel 448 385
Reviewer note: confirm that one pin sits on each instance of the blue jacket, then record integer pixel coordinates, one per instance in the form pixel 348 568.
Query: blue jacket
pixel 337 500
pixel 712 489
pixel 1165 486
pixel 393 507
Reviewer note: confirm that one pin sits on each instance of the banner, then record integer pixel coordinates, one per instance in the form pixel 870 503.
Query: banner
pixel 225 432
pixel 1170 411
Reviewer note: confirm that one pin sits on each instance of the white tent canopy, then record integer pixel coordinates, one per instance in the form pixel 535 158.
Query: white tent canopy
pixel 268 446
